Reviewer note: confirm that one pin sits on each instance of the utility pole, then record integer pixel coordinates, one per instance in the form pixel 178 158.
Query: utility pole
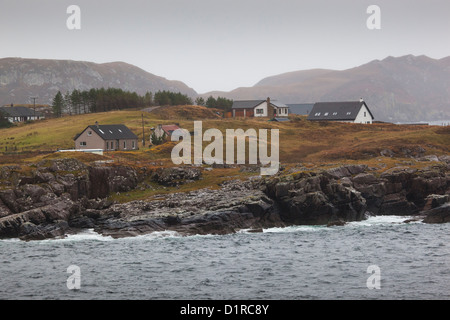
pixel 143 131
pixel 34 106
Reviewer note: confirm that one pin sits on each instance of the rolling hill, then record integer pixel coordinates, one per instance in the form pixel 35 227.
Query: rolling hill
pixel 408 88
pixel 22 78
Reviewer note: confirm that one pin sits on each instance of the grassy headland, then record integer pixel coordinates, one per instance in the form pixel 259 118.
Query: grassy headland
pixel 303 144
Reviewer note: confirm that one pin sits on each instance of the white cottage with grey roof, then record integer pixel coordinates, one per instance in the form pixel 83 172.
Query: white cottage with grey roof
pixel 20 114
pixel 259 108
pixel 349 111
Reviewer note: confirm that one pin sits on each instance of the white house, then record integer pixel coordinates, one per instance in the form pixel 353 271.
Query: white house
pixel 20 114
pixel 259 108
pixel 350 111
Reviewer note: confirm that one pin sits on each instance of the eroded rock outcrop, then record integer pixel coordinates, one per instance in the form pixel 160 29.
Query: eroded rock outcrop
pixel 58 197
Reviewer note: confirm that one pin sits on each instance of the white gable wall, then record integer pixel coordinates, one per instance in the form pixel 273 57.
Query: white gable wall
pixel 363 115
pixel 262 106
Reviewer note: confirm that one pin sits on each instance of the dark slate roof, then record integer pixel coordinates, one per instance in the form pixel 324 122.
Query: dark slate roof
pixel 300 108
pixel 339 111
pixel 246 104
pixel 19 112
pixel 111 132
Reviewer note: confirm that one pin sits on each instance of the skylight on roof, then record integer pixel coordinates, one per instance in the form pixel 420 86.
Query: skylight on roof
pixel 349 113
pixel 326 114
pixel 110 131
pixel 120 130
pixel 101 131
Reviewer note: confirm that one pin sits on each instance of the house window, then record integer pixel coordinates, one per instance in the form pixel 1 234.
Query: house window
pixel 133 144
pixel 124 144
pixel 89 133
pixel 364 113
pixel 117 144
pixel 83 143
pixel 259 111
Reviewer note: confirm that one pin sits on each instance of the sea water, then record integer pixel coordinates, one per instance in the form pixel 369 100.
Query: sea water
pixel 301 262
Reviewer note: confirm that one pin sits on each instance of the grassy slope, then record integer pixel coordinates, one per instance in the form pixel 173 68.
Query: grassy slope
pixel 299 140
pixel 314 145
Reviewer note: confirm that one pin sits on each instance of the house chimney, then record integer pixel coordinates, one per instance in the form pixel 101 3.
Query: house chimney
pixel 361 100
pixel 268 101
pixel 96 124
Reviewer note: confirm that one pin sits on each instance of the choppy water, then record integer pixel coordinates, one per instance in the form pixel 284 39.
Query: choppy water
pixel 301 262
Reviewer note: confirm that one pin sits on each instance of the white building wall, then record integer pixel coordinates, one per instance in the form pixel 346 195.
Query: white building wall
pixel 262 106
pixel 363 116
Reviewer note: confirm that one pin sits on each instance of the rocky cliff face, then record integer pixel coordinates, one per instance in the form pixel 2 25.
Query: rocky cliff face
pixel 63 196
pixel 22 78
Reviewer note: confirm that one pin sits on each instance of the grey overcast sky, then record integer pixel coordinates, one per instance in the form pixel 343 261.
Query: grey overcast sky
pixel 222 45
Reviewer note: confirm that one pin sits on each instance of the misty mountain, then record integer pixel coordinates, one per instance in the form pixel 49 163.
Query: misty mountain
pixel 408 88
pixel 22 78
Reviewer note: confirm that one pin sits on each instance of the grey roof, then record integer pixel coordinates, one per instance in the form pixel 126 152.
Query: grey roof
pixel 300 108
pixel 19 112
pixel 246 104
pixel 278 104
pixel 338 111
pixel 111 132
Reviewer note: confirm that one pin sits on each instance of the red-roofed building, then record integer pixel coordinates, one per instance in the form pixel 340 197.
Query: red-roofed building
pixel 166 130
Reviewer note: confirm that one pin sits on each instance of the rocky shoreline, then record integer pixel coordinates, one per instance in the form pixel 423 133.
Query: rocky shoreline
pixel 65 196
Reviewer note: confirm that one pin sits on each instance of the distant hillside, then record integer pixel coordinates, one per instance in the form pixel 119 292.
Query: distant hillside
pixel 408 88
pixel 22 78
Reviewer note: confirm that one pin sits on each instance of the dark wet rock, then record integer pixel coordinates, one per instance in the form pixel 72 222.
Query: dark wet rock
pixel 435 200
pixel 4 210
pixel 397 204
pixel 9 199
pixel 105 180
pixel 82 222
pixel 337 223
pixel 35 192
pixel 438 215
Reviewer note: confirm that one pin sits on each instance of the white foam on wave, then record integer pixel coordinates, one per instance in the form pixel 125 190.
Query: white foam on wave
pixel 85 235
pixel 157 235
pixel 301 228
pixel 369 222
pixel 381 220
